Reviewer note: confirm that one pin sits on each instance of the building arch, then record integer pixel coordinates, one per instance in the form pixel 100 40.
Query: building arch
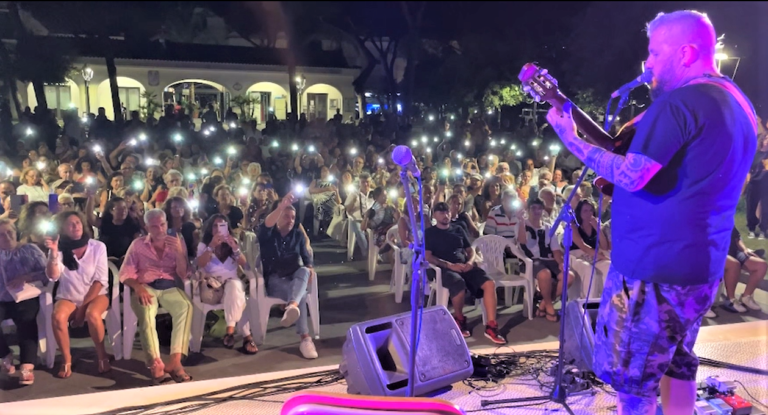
pixel 131 94
pixel 60 97
pixel 201 92
pixel 321 101
pixel 270 98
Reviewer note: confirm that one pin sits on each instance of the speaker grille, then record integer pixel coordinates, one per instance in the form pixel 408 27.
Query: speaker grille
pixel 446 354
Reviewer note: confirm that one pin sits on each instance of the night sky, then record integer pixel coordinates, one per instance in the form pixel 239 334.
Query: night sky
pixel 591 43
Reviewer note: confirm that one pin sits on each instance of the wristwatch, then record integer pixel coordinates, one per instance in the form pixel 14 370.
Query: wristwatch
pixel 209 249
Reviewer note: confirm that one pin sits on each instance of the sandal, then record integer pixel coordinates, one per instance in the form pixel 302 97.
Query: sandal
pixel 229 341
pixel 104 365
pixel 180 376
pixel 249 346
pixel 65 372
pixel 27 377
pixel 6 365
pixel 541 312
pixel 162 379
pixel 553 315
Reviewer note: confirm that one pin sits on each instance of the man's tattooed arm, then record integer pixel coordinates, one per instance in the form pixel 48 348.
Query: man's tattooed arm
pixel 631 172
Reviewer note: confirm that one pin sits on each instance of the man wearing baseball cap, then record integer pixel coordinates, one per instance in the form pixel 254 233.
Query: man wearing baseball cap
pixel 447 247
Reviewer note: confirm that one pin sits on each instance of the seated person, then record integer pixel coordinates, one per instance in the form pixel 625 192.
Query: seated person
pixel 21 263
pixel 461 218
pixel 79 263
pixel 740 257
pixel 380 217
pixel 151 265
pixel 218 254
pixel 447 246
pixel 282 244
pixel 503 220
pixel 547 256
pixel 583 250
pixel 358 202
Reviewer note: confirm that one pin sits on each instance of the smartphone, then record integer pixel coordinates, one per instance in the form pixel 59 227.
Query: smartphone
pixel 17 201
pixel 171 232
pixel 223 228
pixel 53 203
pixel 48 228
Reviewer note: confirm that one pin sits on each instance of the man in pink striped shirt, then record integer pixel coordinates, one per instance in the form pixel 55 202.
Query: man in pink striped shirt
pixel 150 267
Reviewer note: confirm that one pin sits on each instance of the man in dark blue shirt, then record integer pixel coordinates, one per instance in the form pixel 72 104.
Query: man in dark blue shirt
pixel 287 265
pixel 673 207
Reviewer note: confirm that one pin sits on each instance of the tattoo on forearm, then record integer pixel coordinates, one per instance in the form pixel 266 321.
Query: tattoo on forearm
pixel 631 172
pixel 635 405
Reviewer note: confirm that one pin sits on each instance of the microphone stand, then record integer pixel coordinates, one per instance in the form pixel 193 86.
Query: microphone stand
pixel 418 270
pixel 560 392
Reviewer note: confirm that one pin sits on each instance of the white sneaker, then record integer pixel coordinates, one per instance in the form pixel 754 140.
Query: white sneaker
pixel 751 235
pixel 290 316
pixel 710 314
pixel 761 237
pixel 748 301
pixel 735 305
pixel 307 348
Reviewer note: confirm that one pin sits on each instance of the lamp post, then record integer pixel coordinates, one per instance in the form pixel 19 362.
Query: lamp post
pixel 301 83
pixel 87 76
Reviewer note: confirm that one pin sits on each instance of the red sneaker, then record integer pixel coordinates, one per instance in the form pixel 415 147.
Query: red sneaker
pixel 462 323
pixel 492 332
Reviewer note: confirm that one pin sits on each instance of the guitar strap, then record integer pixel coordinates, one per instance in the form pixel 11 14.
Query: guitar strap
pixel 737 95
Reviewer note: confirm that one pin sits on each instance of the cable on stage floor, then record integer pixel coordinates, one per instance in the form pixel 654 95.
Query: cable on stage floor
pixel 252 391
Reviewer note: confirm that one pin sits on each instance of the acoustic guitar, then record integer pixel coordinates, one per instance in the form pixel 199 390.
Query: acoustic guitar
pixel 543 87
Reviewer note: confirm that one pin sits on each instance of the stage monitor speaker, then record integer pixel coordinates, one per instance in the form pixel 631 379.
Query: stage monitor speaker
pixel 579 347
pixel 375 355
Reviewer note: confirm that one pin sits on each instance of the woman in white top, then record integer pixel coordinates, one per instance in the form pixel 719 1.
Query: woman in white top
pixel 79 263
pixel 34 186
pixel 218 254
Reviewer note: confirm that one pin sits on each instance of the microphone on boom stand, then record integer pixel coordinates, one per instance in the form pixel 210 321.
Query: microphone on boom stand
pixel 644 78
pixel 403 157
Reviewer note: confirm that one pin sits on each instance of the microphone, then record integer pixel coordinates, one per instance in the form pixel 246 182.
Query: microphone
pixel 403 157
pixel 645 78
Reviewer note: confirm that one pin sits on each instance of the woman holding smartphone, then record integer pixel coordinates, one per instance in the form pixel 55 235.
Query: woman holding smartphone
pixel 219 255
pixel 79 263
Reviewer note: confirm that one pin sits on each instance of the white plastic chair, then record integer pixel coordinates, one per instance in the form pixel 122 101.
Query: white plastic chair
pixel 46 343
pixel 400 271
pixel 492 248
pixel 260 310
pixel 200 311
pixel 130 321
pixel 251 247
pixel 437 292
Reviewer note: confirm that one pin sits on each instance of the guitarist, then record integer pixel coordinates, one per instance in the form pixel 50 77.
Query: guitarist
pixel 673 208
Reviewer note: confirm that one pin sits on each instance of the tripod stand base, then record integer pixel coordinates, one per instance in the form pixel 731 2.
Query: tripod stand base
pixel 551 398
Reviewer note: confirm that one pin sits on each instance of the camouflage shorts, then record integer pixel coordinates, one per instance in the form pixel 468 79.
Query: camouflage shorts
pixel 647 330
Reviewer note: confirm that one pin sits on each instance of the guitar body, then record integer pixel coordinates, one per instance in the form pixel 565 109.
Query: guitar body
pixel 543 87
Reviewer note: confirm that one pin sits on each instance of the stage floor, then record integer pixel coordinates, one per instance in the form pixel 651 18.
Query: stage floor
pixel 743 344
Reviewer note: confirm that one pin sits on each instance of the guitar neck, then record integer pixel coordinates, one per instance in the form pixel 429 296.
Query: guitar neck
pixel 593 133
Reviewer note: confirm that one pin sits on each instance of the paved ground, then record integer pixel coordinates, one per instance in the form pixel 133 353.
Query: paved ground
pixel 346 297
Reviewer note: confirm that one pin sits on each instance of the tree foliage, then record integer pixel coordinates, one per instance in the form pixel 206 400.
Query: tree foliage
pixel 498 95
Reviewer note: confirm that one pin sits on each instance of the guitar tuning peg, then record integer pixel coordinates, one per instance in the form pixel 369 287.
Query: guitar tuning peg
pixel 544 71
pixel 526 88
pixel 554 81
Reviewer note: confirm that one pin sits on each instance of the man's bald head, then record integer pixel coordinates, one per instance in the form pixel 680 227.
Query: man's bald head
pixel 686 27
pixel 681 47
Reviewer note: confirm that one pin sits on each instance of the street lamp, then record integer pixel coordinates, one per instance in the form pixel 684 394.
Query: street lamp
pixel 87 76
pixel 721 56
pixel 301 83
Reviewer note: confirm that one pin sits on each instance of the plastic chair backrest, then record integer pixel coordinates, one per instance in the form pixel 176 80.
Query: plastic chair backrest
pixel 393 236
pixel 492 247
pixel 325 403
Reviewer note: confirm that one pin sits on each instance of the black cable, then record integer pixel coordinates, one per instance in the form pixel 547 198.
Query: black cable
pixel 755 401
pixel 725 365
pixel 543 401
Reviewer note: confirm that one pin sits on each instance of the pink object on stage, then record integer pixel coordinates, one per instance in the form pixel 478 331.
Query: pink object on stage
pixel 325 403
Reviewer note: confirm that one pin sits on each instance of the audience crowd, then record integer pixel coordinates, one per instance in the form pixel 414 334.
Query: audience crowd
pixel 169 201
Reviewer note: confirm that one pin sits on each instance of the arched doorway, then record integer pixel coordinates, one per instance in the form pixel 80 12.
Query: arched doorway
pixel 131 94
pixel 269 97
pixel 195 95
pixel 321 101
pixel 60 97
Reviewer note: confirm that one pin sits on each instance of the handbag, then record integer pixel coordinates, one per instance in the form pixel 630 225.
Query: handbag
pixel 211 288
pixel 337 229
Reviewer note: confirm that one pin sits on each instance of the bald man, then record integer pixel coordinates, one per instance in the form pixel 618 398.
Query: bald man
pixel 673 208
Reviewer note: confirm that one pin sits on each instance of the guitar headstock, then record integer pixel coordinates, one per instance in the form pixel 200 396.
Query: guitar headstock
pixel 538 83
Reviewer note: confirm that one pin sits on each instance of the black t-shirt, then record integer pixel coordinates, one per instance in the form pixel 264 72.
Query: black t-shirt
pixel 235 217
pixel 447 244
pixel 462 221
pixel 676 230
pixel 118 238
